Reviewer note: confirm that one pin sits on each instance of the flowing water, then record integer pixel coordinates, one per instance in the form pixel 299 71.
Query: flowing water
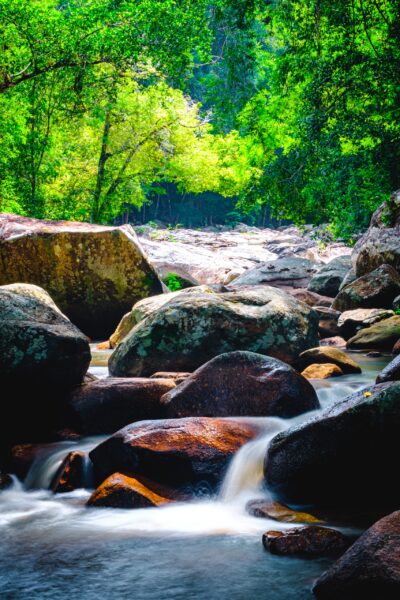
pixel 52 547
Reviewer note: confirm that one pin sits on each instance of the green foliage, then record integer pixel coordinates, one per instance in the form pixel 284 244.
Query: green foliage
pixel 173 282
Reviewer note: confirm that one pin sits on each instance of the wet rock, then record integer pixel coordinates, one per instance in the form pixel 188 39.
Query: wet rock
pixel 391 372
pixel 336 342
pixel 329 278
pixel 374 290
pixel 322 371
pixel 267 509
pixel 326 354
pixel 94 273
pixel 241 384
pixel 293 272
pixel 380 336
pixel 144 308
pixel 351 321
pixel 305 541
pixel 369 569
pixel 106 405
pixel 120 491
pixel 345 457
pixel 5 481
pixel 39 345
pixel 186 333
pixel 177 452
pixel 70 475
pixel 177 377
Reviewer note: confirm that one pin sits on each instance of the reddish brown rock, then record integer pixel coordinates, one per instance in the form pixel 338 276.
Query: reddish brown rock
pixel 178 452
pixel 120 491
pixel 328 355
pixel 322 371
pixel 267 509
pixel 106 405
pixel 178 377
pixel 305 541
pixel 242 384
pixel 370 569
pixel 71 473
pixel 310 298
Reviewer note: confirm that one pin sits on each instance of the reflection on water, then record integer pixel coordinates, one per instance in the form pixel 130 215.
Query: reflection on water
pixel 53 547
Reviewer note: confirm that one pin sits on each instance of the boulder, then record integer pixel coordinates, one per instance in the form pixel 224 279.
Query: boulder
pixel 241 384
pixel 94 273
pixel 39 345
pixel 349 278
pixel 322 371
pixel 5 481
pixel 267 509
pixel 351 321
pixel 306 541
pixel 344 457
pixel 106 405
pixel 328 321
pixel 308 297
pixel 374 290
pixel 326 354
pixel 120 491
pixel 282 272
pixel 176 452
pixel 391 372
pixel 396 348
pixel 32 291
pixel 329 278
pixel 176 376
pixel 380 244
pixel 369 569
pixel 336 342
pixel 186 333
pixel 145 307
pixel 70 475
pixel 380 336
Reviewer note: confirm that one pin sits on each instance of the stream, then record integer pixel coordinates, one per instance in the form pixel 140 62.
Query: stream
pixel 53 547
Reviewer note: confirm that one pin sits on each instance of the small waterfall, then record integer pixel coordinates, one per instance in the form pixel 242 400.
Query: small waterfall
pixel 245 474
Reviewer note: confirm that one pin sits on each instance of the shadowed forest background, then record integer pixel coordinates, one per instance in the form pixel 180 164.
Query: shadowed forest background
pixel 200 111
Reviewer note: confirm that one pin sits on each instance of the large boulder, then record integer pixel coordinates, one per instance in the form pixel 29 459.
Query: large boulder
pixel 380 244
pixel 283 272
pixel 38 344
pixel 377 289
pixel 120 491
pixel 391 372
pixel 178 452
pixel 186 333
pixel 380 336
pixel 351 321
pixel 344 457
pixel 145 307
pixel 305 541
pixel 242 384
pixel 322 371
pixel 327 354
pixel 329 278
pixel 106 405
pixel 94 273
pixel 369 569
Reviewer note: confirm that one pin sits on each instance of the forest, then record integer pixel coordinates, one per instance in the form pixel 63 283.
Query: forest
pixel 274 107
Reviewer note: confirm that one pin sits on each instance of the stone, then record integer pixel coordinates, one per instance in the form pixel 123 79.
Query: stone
pixel 5 481
pixel 310 298
pixel 349 278
pixel 328 321
pixel 267 509
pixel 305 541
pixel 145 307
pixel 241 384
pixel 369 569
pixel 120 491
pixel 177 377
pixel 39 345
pixel 380 336
pixel 351 321
pixel 345 457
pixel 94 273
pixel 186 333
pixel 329 278
pixel 176 452
pixel 391 372
pixel 336 342
pixel 326 354
pixel 377 289
pixel 31 291
pixel 282 272
pixel 106 405
pixel 322 371
pixel 70 475
pixel 396 348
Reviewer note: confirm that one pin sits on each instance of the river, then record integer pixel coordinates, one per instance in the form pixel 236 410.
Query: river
pixel 53 547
